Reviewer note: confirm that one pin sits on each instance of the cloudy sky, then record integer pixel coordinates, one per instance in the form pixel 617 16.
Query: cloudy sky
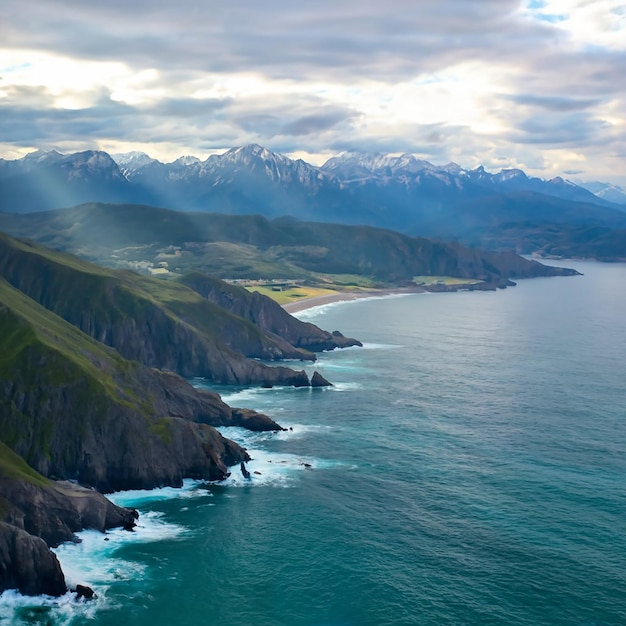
pixel 538 84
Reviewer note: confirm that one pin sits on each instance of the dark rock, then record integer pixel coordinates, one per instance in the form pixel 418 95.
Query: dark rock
pixel 155 450
pixel 247 418
pixel 57 510
pixel 83 591
pixel 28 565
pixel 245 473
pixel 317 380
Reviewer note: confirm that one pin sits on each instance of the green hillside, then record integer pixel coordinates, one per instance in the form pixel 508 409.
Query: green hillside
pixel 229 246
pixel 160 323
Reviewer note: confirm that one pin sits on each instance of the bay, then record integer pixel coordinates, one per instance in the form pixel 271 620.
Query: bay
pixel 468 467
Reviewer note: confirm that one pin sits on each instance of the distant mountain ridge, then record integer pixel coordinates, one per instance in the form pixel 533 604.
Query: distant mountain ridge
pixel 606 191
pixel 398 192
pixel 135 176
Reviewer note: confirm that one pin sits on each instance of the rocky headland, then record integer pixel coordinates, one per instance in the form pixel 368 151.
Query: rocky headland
pixel 85 411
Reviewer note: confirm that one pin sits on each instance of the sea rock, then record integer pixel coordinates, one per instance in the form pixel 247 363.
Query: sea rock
pixel 83 591
pixel 317 380
pixel 247 418
pixel 27 564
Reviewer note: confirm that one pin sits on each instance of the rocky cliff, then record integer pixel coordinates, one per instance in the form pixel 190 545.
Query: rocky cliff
pixel 265 313
pixel 158 323
pixel 27 564
pixel 36 513
pixel 74 409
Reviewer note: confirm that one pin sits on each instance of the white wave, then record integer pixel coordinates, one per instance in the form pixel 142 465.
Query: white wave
pixel 92 562
pixel 136 498
pixel 275 469
pixel 321 309
pixel 381 346
pixel 272 468
pixel 19 610
pixel 344 387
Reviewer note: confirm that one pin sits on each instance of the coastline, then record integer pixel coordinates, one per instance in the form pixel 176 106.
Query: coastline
pixel 346 296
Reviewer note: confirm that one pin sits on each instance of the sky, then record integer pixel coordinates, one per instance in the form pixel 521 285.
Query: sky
pixel 538 84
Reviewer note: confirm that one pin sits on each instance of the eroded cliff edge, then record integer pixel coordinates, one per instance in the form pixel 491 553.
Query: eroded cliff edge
pixel 74 409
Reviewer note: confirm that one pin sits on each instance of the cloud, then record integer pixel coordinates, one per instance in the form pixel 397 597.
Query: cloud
pixel 494 81
pixel 554 103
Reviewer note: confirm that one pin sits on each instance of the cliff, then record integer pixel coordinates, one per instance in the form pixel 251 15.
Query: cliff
pixel 74 409
pixel 156 322
pixel 265 313
pixel 36 513
pixel 27 564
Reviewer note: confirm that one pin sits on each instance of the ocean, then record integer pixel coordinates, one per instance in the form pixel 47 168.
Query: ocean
pixel 468 467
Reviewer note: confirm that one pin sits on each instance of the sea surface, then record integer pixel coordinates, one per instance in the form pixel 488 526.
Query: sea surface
pixel 468 467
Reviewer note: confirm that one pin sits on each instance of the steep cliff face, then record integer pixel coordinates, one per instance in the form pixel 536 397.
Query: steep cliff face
pixel 53 510
pixel 36 513
pixel 265 313
pixel 159 324
pixel 27 564
pixel 75 409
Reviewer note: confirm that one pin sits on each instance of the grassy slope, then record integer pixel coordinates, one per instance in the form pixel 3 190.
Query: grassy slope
pixel 27 328
pixel 14 467
pixel 73 287
pixel 41 356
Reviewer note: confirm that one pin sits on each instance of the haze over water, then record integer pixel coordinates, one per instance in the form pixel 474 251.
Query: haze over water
pixel 468 468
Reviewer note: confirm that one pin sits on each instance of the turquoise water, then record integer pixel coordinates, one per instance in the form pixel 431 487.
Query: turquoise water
pixel 469 467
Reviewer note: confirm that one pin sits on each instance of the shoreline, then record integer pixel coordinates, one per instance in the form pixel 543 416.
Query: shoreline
pixel 346 296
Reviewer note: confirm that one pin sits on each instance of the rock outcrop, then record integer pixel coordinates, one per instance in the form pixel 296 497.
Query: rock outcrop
pixel 37 513
pixel 75 409
pixel 317 380
pixel 27 564
pixel 55 510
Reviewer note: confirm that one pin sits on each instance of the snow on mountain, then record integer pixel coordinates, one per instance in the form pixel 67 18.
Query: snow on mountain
pixel 253 178
pixel 606 191
pixel 360 165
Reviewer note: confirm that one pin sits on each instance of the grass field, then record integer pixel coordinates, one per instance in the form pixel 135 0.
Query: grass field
pixel 294 294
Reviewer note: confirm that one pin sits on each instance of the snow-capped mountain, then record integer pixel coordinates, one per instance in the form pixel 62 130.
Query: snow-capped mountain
pixel 351 166
pixel 606 191
pixel 393 191
pixel 360 167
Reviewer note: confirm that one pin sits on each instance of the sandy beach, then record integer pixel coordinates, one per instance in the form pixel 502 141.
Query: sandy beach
pixel 345 296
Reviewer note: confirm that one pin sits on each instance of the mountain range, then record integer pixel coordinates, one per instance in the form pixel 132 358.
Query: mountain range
pixel 402 193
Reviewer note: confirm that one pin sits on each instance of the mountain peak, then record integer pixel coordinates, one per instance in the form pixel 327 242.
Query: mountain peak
pixel 187 159
pixel 352 165
pixel 134 158
pixel 40 156
pixel 251 150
